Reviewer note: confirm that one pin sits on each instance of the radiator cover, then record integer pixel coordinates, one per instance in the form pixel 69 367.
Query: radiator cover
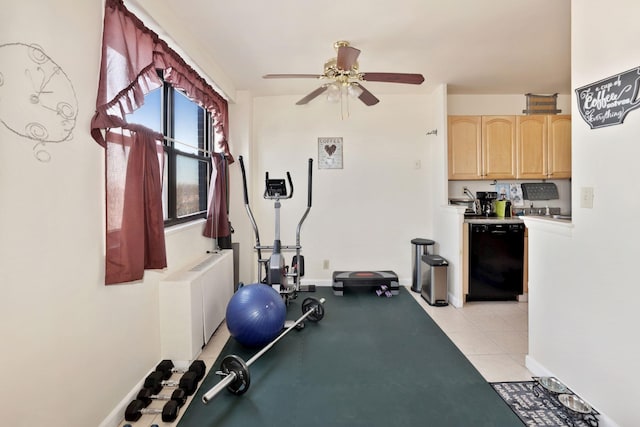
pixel 193 304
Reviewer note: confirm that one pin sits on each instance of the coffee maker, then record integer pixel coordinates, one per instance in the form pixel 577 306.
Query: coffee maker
pixel 487 199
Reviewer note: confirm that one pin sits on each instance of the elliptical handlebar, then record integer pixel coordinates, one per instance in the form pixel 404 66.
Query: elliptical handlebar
pixel 244 181
pixel 250 214
pixel 309 183
pixel 290 185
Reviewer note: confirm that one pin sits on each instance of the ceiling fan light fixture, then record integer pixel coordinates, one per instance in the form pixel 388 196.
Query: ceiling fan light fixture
pixel 343 73
pixel 334 93
pixel 354 90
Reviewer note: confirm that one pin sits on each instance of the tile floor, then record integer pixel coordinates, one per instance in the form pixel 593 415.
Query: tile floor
pixel 492 335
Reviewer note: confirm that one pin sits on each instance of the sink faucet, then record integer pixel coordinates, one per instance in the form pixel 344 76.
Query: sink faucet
pixel 476 204
pixel 469 193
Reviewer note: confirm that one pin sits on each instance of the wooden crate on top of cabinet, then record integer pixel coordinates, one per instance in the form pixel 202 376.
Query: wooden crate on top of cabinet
pixel 544 146
pixel 481 147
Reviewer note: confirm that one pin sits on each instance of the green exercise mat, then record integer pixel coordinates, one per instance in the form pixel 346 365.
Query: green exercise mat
pixel 371 361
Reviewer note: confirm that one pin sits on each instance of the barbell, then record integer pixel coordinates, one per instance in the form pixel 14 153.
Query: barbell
pixel 235 371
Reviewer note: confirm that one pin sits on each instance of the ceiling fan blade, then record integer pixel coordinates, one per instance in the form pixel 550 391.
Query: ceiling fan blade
pixel 366 97
pixel 347 57
pixel 292 76
pixel 412 79
pixel 312 95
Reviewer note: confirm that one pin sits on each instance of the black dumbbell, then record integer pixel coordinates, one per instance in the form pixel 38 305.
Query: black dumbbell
pixel 147 396
pixel 167 368
pixel 155 381
pixel 137 408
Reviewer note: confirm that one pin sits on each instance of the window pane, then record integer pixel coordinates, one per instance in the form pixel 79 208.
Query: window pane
pixel 188 124
pixel 150 114
pixel 191 186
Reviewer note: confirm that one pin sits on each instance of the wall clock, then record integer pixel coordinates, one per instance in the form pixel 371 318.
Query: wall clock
pixel 37 99
pixel 330 153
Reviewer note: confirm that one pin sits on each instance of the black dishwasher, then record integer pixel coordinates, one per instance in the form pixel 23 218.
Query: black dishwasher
pixel 496 257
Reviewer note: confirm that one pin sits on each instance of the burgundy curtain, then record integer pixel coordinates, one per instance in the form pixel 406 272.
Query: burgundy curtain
pixel 131 54
pixel 135 224
pixel 217 224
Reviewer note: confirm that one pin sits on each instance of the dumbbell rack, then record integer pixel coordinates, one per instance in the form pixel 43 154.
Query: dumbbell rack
pixel 155 382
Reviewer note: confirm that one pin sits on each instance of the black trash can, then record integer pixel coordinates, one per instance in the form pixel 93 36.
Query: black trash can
pixel 419 247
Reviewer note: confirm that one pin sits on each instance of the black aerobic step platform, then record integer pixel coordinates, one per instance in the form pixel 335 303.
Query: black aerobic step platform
pixel 359 279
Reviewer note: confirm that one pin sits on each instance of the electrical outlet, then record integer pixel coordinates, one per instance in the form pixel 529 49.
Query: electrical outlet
pixel 586 197
pixel 325 264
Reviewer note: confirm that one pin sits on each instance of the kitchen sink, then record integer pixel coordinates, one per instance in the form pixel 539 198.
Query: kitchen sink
pixel 568 217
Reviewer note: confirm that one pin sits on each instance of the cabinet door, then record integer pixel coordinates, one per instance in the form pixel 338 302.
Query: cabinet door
pixel 531 140
pixel 560 146
pixel 499 147
pixel 464 147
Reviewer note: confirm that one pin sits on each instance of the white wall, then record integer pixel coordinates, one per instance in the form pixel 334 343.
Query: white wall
pixel 72 348
pixel 583 282
pixel 68 338
pixel 364 215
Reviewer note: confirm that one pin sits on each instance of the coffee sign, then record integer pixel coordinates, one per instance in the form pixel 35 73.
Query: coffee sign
pixel 608 101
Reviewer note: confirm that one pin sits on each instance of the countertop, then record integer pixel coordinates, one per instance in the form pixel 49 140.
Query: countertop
pixel 481 219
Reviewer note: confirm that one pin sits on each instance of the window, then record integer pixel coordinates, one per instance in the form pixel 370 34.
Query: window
pixel 136 210
pixel 187 167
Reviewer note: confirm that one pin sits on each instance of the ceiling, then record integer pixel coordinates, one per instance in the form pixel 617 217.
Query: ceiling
pixel 475 47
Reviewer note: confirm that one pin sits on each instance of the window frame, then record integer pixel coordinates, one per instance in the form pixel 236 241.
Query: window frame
pixel 206 145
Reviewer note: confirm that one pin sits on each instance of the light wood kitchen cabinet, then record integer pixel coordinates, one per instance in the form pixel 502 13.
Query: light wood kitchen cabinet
pixel 544 146
pixel 464 148
pixel 481 147
pixel 560 146
pixel 498 147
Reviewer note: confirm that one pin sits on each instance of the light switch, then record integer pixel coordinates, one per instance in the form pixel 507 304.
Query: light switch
pixel 586 197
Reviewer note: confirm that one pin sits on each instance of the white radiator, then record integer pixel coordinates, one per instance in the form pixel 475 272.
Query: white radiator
pixel 193 303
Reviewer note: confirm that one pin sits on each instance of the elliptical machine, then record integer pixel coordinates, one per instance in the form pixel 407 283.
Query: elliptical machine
pixel 277 272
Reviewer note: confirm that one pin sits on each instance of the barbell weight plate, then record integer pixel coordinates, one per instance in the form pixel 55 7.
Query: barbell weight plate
pixel 199 368
pixel 170 411
pixel 313 304
pixel 233 363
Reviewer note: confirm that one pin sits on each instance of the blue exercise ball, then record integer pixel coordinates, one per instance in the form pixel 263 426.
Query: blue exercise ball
pixel 255 314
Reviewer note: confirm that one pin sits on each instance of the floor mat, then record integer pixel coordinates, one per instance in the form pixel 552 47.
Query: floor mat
pixel 371 361
pixel 537 407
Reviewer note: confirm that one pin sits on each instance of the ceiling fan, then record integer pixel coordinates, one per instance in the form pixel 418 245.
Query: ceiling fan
pixel 343 74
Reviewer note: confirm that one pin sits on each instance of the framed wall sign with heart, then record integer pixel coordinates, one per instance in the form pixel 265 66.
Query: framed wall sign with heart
pixel 330 153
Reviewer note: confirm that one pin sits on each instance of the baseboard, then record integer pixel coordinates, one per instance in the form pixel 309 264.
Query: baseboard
pixel 540 370
pixel 117 415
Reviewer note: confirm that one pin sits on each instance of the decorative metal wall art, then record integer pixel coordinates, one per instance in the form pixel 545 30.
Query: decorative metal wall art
pixel 37 99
